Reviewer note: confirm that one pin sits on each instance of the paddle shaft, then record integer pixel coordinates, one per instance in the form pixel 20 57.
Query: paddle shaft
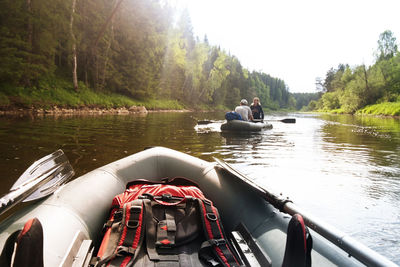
pixel 288 120
pixel 340 239
pixel 205 122
pixel 42 178
pixel 16 196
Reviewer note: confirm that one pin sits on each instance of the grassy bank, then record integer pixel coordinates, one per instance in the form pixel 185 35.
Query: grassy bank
pixel 382 109
pixel 61 94
pixel 387 108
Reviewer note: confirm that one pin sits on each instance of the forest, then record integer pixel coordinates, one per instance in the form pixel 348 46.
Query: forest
pixel 141 50
pixel 364 89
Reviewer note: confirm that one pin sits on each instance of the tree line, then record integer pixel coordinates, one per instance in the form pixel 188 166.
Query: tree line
pixel 143 49
pixel 347 89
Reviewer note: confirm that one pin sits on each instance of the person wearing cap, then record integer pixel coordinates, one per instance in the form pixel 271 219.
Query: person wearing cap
pixel 244 110
pixel 256 109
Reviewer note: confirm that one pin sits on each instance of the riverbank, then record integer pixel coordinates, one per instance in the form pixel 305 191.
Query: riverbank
pixel 386 109
pixel 390 109
pixel 141 110
pixel 58 97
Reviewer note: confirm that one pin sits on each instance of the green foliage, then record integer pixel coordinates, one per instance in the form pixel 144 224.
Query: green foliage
pixel 387 108
pixel 4 101
pixel 330 100
pixel 315 105
pixel 303 99
pixel 128 52
pixel 217 75
pixel 312 105
pixel 233 97
pixel 387 46
pixel 350 89
pixel 390 76
pixel 292 103
pixel 60 93
pixel 165 104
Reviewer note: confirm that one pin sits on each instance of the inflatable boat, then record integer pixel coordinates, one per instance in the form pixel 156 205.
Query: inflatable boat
pixel 245 126
pixel 73 216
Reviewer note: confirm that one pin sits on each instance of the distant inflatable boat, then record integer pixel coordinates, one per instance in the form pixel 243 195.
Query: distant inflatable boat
pixel 247 126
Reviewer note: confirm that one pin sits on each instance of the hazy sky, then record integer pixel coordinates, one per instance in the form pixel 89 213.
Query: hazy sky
pixel 294 40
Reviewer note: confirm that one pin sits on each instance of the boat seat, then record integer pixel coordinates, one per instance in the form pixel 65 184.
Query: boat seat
pixel 24 247
pixel 8 249
pixel 298 244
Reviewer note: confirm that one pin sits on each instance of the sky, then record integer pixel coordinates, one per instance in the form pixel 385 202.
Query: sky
pixel 295 40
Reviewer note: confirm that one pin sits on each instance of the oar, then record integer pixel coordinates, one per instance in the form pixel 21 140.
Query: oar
pixel 340 239
pixel 211 121
pixel 207 122
pixel 288 120
pixel 42 178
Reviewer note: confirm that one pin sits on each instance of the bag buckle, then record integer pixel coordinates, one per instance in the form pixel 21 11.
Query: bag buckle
pixel 211 216
pixel 118 215
pixel 146 196
pixel 122 250
pixel 218 242
pixel 166 197
pixel 207 201
pixel 107 225
pixel 136 209
pixel 132 224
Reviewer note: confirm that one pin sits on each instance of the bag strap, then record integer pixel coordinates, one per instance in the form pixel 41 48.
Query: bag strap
pixel 216 243
pixel 177 181
pixel 151 238
pixel 165 199
pixel 126 236
pixel 166 230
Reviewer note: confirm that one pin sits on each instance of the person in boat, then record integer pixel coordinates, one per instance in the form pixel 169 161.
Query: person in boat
pixel 256 109
pixel 244 110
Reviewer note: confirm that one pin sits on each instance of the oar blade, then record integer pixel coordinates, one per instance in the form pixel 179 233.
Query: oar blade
pixel 204 122
pixel 291 120
pixel 43 176
pixel 40 167
pixel 60 176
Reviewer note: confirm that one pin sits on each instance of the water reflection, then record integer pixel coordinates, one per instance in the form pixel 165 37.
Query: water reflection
pixel 240 140
pixel 367 152
pixel 371 144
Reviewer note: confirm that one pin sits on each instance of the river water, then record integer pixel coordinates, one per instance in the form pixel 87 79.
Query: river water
pixel 343 169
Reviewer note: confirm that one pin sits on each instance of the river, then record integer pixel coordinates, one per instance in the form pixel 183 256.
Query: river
pixel 343 169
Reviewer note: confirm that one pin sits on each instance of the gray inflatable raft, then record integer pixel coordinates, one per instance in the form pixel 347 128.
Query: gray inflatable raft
pixel 245 126
pixel 76 212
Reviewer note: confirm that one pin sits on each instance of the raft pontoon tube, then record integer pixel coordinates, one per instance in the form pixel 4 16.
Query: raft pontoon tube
pixel 245 126
pixel 79 209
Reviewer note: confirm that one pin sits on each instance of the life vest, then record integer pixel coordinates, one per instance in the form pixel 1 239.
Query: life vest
pixel 164 224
